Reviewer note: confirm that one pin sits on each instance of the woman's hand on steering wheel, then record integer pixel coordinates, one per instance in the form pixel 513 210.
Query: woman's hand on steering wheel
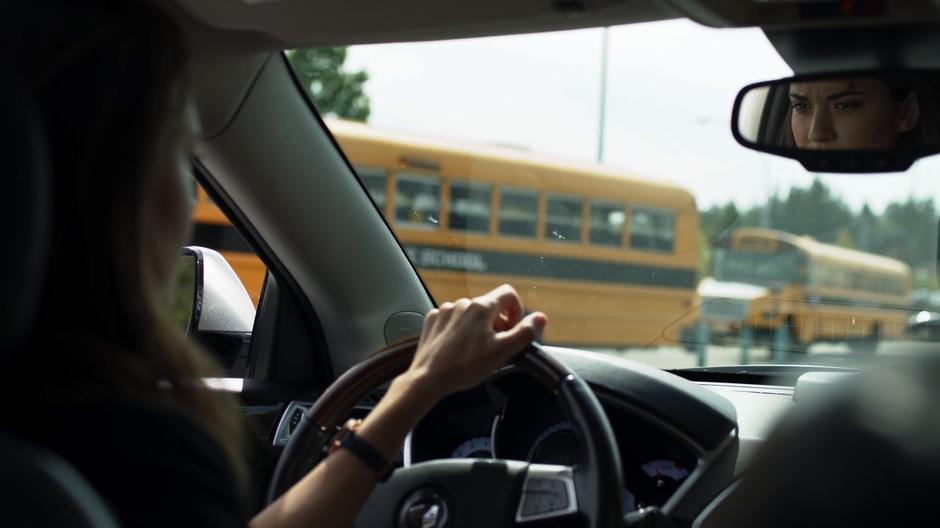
pixel 463 342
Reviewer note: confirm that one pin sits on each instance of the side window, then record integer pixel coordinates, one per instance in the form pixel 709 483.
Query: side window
pixel 563 218
pixel 607 221
pixel 518 212
pixel 652 229
pixel 418 200
pixel 470 206
pixel 213 230
pixel 858 280
pixel 819 275
pixel 374 180
pixel 845 281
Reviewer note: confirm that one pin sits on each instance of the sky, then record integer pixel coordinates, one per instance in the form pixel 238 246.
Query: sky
pixel 670 90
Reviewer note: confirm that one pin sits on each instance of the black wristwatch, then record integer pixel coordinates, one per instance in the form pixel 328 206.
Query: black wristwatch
pixel 347 439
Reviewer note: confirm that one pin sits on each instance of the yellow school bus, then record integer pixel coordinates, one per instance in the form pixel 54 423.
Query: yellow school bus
pixel 770 280
pixel 612 259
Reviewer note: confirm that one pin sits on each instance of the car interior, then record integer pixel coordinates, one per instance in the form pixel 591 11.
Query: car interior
pixel 567 436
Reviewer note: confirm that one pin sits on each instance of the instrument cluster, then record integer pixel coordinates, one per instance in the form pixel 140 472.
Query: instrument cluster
pixel 512 417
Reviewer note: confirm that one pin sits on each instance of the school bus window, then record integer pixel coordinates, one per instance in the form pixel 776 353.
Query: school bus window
pixel 470 207
pixel 418 200
pixel 518 212
pixel 858 281
pixel 652 229
pixel 563 218
pixel 374 180
pixel 607 221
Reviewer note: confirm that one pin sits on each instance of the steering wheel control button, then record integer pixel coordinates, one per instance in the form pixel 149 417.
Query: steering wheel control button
pixel 545 495
pixel 424 508
pixel 548 492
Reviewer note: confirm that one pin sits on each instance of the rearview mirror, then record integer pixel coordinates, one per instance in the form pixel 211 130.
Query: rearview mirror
pixel 213 305
pixel 873 121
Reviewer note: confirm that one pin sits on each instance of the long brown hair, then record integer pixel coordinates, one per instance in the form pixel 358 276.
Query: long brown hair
pixel 110 79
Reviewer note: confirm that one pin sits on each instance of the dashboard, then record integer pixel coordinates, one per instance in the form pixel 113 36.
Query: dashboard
pixel 513 417
pixel 683 440
pixel 678 439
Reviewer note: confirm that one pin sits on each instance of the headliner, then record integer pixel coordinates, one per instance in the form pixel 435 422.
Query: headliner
pixel 280 24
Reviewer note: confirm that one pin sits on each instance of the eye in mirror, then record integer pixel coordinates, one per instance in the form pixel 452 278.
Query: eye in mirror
pixel 847 122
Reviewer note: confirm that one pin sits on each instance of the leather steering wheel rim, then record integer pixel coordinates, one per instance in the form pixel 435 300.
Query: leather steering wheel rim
pixel 597 479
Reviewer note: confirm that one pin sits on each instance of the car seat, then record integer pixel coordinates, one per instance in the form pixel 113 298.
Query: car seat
pixel 863 452
pixel 37 487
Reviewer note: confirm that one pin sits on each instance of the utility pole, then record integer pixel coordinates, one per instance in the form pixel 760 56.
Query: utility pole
pixel 603 105
pixel 765 209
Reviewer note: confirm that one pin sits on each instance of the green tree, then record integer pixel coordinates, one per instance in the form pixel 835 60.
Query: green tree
pixel 865 229
pixel 844 238
pixel 813 211
pixel 908 231
pixel 718 219
pixel 335 91
pixel 712 223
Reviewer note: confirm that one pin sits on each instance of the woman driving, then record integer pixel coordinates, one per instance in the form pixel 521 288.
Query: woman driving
pixel 119 396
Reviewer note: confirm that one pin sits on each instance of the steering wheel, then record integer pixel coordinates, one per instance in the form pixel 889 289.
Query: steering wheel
pixel 471 492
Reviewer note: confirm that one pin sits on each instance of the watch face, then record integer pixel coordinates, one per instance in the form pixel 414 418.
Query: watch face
pixel 351 426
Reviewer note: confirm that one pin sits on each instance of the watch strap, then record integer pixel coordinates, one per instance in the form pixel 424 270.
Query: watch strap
pixel 363 450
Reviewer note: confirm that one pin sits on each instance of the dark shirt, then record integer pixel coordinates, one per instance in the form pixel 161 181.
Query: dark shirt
pixel 153 466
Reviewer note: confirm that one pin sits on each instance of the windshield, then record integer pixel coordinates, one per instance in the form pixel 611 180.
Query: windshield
pixel 595 171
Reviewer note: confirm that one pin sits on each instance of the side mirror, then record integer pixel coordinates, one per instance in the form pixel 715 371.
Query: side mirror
pixel 213 305
pixel 857 122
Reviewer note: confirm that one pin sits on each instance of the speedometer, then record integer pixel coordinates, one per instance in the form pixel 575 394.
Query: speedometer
pixel 665 478
pixel 661 470
pixel 555 445
pixel 476 447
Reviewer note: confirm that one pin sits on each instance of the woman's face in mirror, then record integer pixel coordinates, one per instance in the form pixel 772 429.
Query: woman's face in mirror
pixel 849 114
